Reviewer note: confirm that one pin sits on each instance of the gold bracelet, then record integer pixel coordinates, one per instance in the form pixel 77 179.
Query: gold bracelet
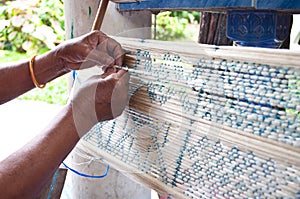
pixel 31 63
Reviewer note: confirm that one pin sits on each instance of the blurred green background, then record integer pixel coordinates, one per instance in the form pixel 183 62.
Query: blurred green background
pixel 29 27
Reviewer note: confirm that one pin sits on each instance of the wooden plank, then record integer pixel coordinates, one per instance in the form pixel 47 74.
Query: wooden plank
pixel 175 160
pixel 277 57
pixel 131 172
pixel 292 6
pixel 54 187
pixel 124 1
pixel 213 35
pixel 183 5
pixel 100 15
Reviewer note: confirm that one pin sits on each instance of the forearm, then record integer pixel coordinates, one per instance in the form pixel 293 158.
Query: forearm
pixel 15 79
pixel 23 174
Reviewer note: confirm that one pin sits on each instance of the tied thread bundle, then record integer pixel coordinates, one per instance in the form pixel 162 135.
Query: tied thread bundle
pixel 198 125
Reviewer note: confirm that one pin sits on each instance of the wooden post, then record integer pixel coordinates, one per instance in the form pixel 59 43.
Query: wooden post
pixel 213 29
pixel 100 15
pixel 80 16
pixel 295 33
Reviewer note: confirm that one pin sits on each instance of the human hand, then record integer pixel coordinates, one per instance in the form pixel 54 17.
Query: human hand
pixel 166 197
pixel 100 98
pixel 94 48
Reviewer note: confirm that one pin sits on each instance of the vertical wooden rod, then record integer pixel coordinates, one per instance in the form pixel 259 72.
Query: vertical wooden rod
pixel 100 15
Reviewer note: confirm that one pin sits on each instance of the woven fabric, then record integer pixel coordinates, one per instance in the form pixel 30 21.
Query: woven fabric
pixel 207 127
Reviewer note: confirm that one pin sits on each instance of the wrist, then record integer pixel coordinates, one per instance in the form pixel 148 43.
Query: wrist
pixel 48 67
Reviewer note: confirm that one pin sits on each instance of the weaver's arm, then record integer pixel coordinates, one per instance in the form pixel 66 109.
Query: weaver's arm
pixel 82 52
pixel 15 78
pixel 23 174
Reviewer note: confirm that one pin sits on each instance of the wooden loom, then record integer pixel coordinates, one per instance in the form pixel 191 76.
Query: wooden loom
pixel 206 121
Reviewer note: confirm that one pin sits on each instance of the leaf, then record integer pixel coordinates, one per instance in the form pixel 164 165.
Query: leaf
pixel 27 45
pixel 12 36
pixel 28 28
pixel 17 21
pixel 4 24
pixel 45 34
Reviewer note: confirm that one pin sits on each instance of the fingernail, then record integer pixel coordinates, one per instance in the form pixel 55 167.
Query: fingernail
pixel 110 69
pixel 118 67
pixel 166 197
pixel 121 68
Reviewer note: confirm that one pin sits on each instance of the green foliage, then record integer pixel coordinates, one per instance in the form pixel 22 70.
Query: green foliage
pixel 10 56
pixel 55 92
pixel 32 26
pixel 179 25
pixel 192 17
pixel 170 28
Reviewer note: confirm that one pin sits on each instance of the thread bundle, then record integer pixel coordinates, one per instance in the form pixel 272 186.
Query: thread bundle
pixel 199 127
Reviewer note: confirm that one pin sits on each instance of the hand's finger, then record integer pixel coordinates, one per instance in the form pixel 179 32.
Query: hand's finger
pixel 116 69
pixel 83 65
pixel 112 48
pixel 121 73
pixel 108 71
pixel 102 37
pixel 97 36
pixel 93 39
pixel 119 56
pixel 116 51
pixel 101 58
pixel 124 76
pixel 166 197
pixel 119 60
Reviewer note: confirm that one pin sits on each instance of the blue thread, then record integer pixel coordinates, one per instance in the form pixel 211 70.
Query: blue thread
pixel 74 74
pixel 86 175
pixel 53 183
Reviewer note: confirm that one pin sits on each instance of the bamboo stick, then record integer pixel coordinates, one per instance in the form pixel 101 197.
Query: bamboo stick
pixel 277 57
pixel 149 179
pixel 166 142
pixel 100 15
